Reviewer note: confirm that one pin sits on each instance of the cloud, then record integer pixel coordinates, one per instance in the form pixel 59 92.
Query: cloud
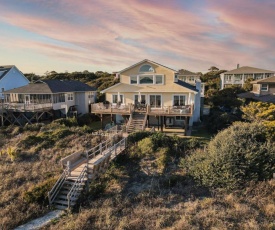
pixel 117 33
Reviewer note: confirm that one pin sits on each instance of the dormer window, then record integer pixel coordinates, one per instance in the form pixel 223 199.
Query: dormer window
pixel 146 69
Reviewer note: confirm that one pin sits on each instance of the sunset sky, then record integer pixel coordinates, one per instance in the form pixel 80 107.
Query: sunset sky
pixel 77 35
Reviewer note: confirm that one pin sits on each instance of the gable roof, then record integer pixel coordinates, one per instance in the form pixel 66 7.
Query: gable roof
pixel 52 86
pixel 266 80
pixel 186 72
pixel 248 69
pixel 145 60
pixel 4 69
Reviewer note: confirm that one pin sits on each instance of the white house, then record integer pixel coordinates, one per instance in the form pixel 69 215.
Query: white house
pixel 66 96
pixel 153 89
pixel 10 78
pixel 241 74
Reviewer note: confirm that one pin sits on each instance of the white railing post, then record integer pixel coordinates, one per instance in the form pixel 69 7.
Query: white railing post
pixel 100 146
pixel 69 168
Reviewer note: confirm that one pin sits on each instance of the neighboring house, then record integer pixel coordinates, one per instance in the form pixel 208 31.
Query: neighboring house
pixel 241 74
pixel 187 76
pixel 10 78
pixel 154 90
pixel 65 97
pixel 263 90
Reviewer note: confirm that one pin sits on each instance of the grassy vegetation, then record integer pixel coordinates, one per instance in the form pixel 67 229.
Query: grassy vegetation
pixel 145 188
pixel 29 165
pixel 149 190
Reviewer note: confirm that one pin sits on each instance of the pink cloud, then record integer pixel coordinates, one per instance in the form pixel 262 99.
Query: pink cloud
pixel 119 33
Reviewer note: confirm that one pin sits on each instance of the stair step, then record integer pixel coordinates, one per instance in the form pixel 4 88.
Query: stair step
pixel 61 207
pixel 63 197
pixel 64 202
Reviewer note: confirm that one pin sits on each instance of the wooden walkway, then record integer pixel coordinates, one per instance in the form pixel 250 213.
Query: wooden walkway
pixel 82 168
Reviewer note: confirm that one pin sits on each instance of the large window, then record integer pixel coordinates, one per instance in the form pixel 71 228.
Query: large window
pixel 146 68
pixel 227 77
pixel 115 99
pixel 155 101
pixel 133 80
pixel 179 100
pixel 238 77
pixel 90 95
pixel 147 79
pixel 142 101
pixel 259 76
pixel 59 98
pixel 264 87
pixel 159 79
pixel 70 97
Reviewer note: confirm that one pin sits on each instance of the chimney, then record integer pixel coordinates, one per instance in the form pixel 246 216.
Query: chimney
pixel 238 66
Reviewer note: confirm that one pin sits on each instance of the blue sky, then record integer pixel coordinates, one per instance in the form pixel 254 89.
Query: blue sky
pixel 66 35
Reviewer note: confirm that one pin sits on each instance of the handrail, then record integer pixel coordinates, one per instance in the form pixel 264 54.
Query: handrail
pixel 77 185
pixel 144 122
pixel 91 153
pixel 129 122
pixel 58 184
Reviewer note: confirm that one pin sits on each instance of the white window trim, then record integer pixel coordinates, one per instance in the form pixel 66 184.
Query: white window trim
pixel 185 95
pixel 90 95
pixel 137 80
pixel 123 98
pixel 146 72
pixel 146 97
pixel 265 90
pixel 70 96
pixel 154 79
pixel 161 104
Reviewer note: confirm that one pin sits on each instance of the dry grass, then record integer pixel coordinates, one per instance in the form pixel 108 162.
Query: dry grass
pixel 30 168
pixel 133 194
pixel 133 199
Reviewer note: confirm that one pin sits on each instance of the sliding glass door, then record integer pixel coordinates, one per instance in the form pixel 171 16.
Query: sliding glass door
pixel 155 101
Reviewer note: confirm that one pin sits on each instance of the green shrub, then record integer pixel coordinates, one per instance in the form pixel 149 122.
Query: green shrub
pixel 145 146
pixel 87 129
pixel 161 140
pixel 39 192
pixel 163 158
pixel 137 136
pixel 60 133
pixel 33 127
pixel 234 157
pixel 30 141
pixel 69 122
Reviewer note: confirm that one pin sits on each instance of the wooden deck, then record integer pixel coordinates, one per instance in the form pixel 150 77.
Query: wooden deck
pixel 22 107
pixel 100 108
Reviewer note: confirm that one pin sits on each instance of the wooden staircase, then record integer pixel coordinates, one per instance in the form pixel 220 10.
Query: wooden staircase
pixel 137 123
pixel 76 176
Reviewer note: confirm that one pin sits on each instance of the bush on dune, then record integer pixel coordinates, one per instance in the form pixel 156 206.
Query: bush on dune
pixel 236 156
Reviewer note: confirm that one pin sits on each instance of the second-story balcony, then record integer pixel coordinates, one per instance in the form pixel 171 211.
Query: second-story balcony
pixel 100 108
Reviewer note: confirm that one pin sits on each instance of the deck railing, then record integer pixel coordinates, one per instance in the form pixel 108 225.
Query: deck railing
pixel 171 110
pixel 58 185
pixel 128 109
pixel 111 146
pixel 111 108
pixel 77 186
pixel 26 107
